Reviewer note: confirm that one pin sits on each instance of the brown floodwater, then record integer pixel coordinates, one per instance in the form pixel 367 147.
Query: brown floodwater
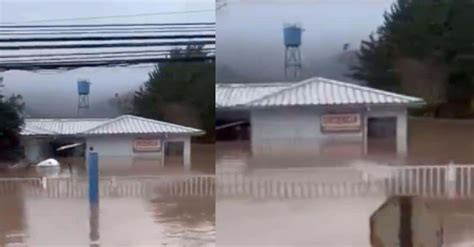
pixel 337 219
pixel 59 213
pixel 33 220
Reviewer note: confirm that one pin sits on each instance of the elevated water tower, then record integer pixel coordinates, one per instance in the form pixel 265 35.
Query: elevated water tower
pixel 292 38
pixel 83 90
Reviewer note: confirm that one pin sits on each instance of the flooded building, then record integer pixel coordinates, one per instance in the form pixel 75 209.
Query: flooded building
pixel 315 116
pixel 124 138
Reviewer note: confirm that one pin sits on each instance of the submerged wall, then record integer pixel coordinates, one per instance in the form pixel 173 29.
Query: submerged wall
pixel 122 146
pixel 297 131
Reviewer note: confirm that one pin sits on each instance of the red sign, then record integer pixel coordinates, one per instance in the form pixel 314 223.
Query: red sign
pixel 146 145
pixel 341 122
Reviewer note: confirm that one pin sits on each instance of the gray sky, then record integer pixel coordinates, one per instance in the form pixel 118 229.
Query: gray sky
pixel 39 88
pixel 250 28
pixel 254 30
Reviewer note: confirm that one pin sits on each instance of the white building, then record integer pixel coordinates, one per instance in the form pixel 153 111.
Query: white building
pixel 126 136
pixel 318 116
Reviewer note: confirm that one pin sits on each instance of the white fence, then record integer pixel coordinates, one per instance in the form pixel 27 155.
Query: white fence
pixel 427 181
pixel 144 186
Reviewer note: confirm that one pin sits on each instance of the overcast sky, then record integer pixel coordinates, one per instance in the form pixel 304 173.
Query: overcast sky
pixel 253 29
pixel 38 88
pixel 249 39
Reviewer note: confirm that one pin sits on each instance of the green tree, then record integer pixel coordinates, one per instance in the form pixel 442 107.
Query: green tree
pixel 181 92
pixel 17 102
pixel 424 48
pixel 10 127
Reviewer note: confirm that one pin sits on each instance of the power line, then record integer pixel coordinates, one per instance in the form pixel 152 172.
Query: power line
pixel 95 53
pixel 75 60
pixel 79 64
pixel 89 59
pixel 180 24
pixel 83 46
pixel 100 56
pixel 118 28
pixel 115 16
pixel 102 38
pixel 125 31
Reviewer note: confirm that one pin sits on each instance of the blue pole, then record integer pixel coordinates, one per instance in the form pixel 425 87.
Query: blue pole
pixel 93 170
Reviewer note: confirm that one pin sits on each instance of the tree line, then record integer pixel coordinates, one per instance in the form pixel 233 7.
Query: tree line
pixel 426 49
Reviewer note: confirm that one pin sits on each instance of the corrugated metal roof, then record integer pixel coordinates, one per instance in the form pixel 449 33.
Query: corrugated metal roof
pixel 231 95
pixel 69 126
pixel 322 91
pixel 126 124
pixel 29 130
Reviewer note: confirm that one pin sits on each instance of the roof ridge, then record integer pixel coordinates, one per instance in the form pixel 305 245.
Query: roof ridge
pixel 162 122
pixel 250 84
pixel 102 124
pixel 365 88
pixel 298 84
pixel 141 118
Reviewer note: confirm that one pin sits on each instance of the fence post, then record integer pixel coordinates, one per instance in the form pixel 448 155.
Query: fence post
pixel 451 180
pixel 44 183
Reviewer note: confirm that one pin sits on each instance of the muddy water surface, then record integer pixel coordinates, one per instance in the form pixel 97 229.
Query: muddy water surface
pixel 53 214
pixel 338 216
pixel 42 221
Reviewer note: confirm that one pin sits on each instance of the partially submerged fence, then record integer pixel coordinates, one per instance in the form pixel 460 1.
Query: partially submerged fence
pixel 427 181
pixel 127 186
pixel 432 181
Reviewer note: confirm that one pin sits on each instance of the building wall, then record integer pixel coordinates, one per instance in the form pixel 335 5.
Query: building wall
pixel 122 146
pixel 297 130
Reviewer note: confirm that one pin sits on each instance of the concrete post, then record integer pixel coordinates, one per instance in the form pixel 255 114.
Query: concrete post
pixel 187 154
pixel 402 141
pixel 451 180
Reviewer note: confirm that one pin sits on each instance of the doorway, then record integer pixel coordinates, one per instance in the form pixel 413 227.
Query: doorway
pixel 381 135
pixel 174 153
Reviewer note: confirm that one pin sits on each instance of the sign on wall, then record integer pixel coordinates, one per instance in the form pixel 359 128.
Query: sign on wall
pixel 146 145
pixel 341 122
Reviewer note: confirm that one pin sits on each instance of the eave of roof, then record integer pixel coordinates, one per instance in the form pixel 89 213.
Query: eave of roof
pixel 319 91
pixel 125 124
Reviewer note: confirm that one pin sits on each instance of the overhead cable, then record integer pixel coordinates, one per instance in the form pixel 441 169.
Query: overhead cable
pixel 84 46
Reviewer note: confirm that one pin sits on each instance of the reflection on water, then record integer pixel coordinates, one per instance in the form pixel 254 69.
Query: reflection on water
pixel 328 201
pixel 44 219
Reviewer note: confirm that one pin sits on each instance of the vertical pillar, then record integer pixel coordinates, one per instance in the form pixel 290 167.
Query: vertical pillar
pixel 163 152
pixel 93 172
pixel 365 122
pixel 402 133
pixel 187 154
pixel 450 180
